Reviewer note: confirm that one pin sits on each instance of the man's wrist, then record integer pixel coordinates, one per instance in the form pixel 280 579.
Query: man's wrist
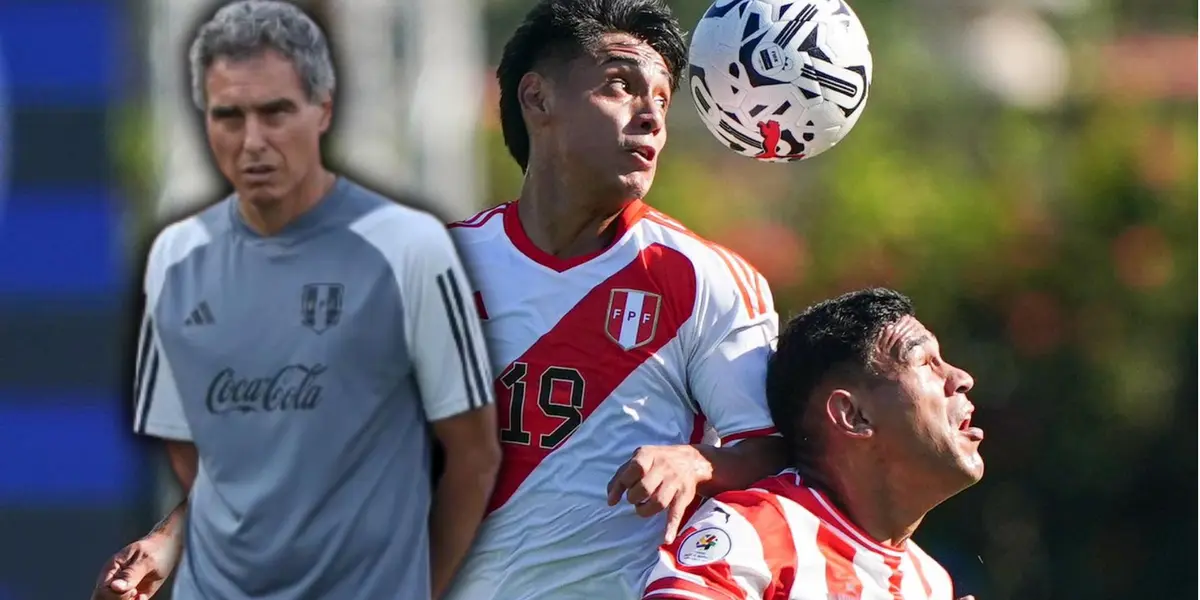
pixel 171 525
pixel 703 464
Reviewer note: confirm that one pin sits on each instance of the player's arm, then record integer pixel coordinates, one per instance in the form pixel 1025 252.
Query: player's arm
pixel 158 412
pixel 736 332
pixel 729 339
pixel 740 465
pixel 720 555
pixel 454 377
pixel 463 490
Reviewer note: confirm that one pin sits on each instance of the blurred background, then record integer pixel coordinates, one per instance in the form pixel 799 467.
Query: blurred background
pixel 1025 170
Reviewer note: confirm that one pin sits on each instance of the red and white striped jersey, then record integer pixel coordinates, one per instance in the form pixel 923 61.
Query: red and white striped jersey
pixel 661 338
pixel 783 540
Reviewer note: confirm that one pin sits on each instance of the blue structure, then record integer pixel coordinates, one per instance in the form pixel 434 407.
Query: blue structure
pixel 70 471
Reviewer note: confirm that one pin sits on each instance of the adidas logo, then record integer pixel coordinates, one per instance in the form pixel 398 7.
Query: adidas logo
pixel 201 315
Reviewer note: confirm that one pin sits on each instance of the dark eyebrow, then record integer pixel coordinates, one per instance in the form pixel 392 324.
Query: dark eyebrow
pixel 221 111
pixel 631 61
pixel 270 106
pixel 275 105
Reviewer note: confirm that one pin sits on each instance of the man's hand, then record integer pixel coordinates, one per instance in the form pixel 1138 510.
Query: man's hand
pixel 658 478
pixel 138 570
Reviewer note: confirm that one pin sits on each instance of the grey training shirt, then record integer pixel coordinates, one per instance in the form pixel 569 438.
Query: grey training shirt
pixel 305 367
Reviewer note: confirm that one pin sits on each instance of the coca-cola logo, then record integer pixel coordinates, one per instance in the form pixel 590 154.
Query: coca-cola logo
pixel 293 387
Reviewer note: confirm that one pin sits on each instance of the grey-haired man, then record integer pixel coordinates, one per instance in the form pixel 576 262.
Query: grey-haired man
pixel 299 339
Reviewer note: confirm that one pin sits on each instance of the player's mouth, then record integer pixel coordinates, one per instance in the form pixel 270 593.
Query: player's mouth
pixel 643 154
pixel 256 173
pixel 974 434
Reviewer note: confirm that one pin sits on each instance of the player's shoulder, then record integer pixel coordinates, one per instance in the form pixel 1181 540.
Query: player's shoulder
pixel 720 271
pixel 483 225
pixel 713 260
pixel 180 238
pixel 748 518
pixel 174 244
pixel 408 242
pixel 396 230
pixel 377 214
pixel 782 499
pixel 761 504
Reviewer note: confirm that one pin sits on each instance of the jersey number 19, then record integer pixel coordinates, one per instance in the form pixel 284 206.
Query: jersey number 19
pixel 559 395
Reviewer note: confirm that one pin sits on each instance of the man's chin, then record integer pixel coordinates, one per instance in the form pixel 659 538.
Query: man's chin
pixel 971 468
pixel 261 196
pixel 637 184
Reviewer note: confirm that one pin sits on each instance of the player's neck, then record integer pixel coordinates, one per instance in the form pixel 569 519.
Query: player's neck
pixel 270 219
pixel 886 512
pixel 565 220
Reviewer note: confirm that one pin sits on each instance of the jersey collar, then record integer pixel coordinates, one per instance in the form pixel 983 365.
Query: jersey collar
pixel 628 217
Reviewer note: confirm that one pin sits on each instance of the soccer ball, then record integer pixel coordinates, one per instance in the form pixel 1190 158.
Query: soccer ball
pixel 779 80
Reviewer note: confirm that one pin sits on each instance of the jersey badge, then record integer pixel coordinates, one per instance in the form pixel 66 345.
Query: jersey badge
pixel 321 305
pixel 705 546
pixel 632 317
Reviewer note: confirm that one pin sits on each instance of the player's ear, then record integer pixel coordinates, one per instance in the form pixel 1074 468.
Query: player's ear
pixel 326 104
pixel 845 411
pixel 535 94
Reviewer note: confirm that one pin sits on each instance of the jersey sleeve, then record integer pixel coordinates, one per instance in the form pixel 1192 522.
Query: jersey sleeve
pixel 720 555
pixel 735 331
pixel 442 328
pixel 158 407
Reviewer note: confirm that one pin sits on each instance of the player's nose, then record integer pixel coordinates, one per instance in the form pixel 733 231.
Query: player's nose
pixel 254 139
pixel 650 118
pixel 959 381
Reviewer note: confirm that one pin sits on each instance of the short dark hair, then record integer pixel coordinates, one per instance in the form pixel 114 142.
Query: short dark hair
pixel 831 337
pixel 565 29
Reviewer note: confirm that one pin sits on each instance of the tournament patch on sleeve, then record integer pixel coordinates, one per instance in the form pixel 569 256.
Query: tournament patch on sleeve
pixel 703 547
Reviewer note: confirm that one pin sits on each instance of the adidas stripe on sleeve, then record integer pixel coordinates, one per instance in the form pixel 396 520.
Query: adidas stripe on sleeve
pixel 158 408
pixel 445 338
pixel 441 327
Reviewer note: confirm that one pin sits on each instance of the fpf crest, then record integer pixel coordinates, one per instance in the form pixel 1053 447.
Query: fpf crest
pixel 321 305
pixel 632 318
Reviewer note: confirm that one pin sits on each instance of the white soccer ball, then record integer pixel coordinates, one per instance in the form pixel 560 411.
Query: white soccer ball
pixel 779 80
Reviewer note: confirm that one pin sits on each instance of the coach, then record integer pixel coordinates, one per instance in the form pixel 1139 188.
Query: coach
pixel 299 338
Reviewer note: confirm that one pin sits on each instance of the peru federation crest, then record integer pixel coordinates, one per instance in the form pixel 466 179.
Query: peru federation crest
pixel 321 305
pixel 632 317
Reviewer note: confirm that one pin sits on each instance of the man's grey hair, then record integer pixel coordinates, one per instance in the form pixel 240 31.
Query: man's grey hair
pixel 247 28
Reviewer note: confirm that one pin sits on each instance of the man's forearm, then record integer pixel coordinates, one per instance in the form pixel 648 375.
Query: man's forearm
pixel 739 466
pixel 172 525
pixel 458 507
pixel 168 536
